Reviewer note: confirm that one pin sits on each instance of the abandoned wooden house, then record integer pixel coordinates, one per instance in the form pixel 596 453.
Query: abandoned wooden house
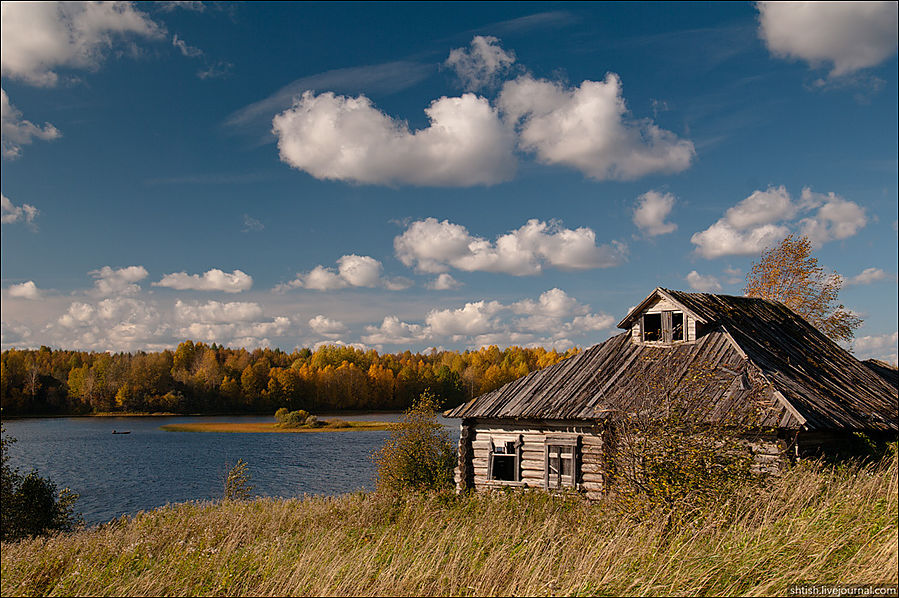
pixel 554 428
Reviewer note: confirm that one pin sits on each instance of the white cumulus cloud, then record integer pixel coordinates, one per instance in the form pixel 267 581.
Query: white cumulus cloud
pixel 704 283
pixel 877 346
pixel 216 311
pixel 39 37
pixel 868 276
pixel 474 318
pixel 344 138
pixel 651 211
pixel 213 280
pixel 352 271
pixel 589 128
pixel 112 324
pixel 551 320
pixel 435 246
pixel 392 331
pixel 847 35
pixel 233 323
pixel 15 131
pixel 836 218
pixel 481 64
pixel 25 290
pixel 766 217
pixel 12 213
pixel 327 327
pixel 444 282
pixel 120 281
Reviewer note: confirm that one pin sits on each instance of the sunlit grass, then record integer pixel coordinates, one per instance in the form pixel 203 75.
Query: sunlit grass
pixel 814 524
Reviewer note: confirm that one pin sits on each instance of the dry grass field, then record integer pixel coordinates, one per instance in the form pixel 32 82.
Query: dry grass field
pixel 815 524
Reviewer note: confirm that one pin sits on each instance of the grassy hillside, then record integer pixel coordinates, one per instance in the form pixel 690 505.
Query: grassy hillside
pixel 815 524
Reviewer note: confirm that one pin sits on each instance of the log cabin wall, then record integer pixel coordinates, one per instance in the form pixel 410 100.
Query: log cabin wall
pixel 532 439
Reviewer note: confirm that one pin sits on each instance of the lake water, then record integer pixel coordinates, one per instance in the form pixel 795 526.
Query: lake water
pixel 118 474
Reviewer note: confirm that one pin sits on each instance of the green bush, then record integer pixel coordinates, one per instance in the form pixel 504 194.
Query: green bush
pixel 293 419
pixel 32 505
pixel 418 455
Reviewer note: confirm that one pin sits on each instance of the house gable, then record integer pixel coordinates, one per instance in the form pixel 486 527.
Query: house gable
pixel 662 320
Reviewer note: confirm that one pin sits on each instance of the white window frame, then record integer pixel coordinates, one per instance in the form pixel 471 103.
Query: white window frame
pixel 511 445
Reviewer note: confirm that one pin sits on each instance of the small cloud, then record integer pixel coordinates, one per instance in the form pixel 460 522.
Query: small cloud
pixel 25 290
pixel 213 280
pixel 186 50
pixel 392 331
pixel 482 64
pixel 651 211
pixel 216 70
pixel 352 271
pixel 878 346
pixel 868 276
pixel 327 327
pixel 734 275
pixel 173 5
pixel 703 283
pixel 250 224
pixel 15 131
pixel 117 282
pixel 444 282
pixel 397 283
pixel 12 213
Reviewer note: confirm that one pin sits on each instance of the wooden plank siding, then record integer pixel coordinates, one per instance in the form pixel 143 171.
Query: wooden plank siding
pixel 480 434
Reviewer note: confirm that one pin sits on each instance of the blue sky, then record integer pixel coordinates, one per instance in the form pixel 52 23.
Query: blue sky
pixel 432 175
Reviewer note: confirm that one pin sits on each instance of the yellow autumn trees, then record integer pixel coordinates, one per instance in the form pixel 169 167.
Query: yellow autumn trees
pixel 789 273
pixel 201 378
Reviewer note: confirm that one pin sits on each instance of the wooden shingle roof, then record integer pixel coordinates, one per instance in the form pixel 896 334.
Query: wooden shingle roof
pixel 812 382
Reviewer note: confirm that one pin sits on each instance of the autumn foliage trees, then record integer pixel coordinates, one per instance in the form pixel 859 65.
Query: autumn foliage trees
pixel 789 273
pixel 201 378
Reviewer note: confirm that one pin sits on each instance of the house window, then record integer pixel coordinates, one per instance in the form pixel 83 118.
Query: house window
pixel 561 464
pixel 652 327
pixel 677 326
pixel 504 462
pixel 667 326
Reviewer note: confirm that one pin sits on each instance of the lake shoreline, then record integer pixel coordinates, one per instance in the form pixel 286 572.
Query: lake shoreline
pixel 274 428
pixel 103 414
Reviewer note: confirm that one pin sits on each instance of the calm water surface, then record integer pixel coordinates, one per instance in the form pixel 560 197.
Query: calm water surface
pixel 126 473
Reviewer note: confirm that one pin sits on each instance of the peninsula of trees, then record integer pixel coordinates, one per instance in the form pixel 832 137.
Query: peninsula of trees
pixel 201 378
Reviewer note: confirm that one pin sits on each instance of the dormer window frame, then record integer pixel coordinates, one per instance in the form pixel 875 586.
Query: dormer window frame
pixel 671 328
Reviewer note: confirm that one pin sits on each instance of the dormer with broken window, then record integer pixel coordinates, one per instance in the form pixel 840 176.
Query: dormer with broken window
pixel 661 320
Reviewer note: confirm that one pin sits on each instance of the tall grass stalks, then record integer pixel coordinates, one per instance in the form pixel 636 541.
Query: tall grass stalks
pixel 815 524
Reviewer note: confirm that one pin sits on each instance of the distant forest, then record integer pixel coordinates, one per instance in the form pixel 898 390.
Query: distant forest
pixel 200 378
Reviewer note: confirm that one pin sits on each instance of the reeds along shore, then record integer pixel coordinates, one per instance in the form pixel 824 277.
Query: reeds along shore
pixel 815 524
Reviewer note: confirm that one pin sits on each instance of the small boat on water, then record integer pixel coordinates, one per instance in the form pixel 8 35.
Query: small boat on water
pixel 126 432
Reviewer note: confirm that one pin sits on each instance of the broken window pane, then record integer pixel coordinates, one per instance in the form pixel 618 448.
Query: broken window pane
pixel 677 326
pixel 504 467
pixel 652 327
pixel 503 460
